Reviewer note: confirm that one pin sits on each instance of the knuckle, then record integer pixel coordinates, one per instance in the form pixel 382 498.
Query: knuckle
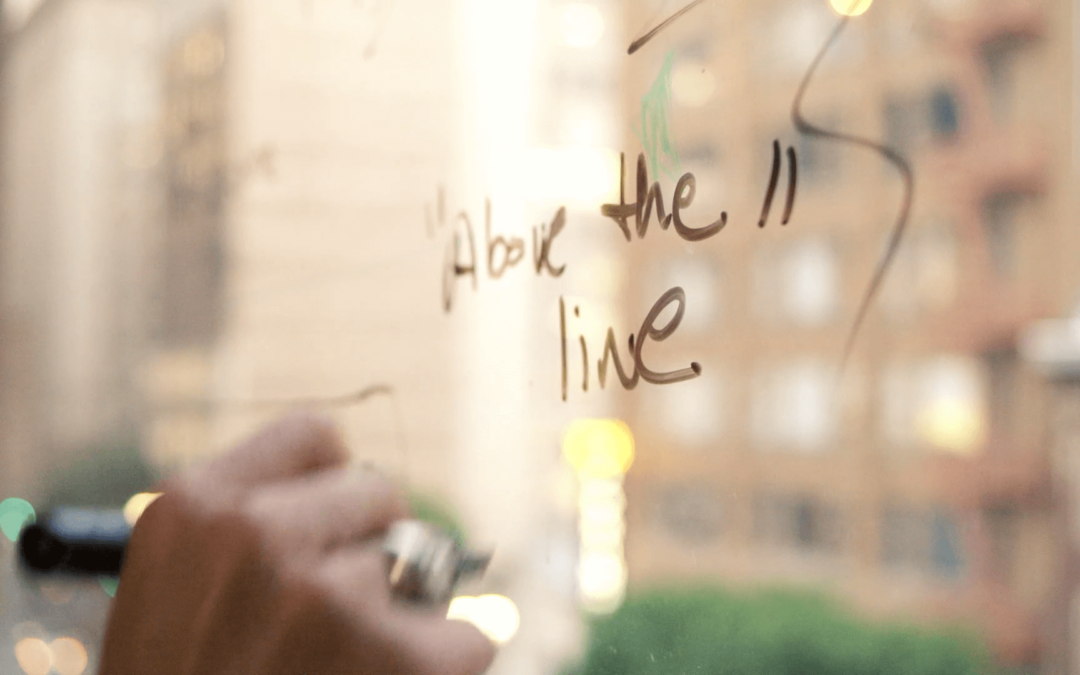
pixel 384 495
pixel 190 496
pixel 206 490
pixel 261 512
pixel 330 581
pixel 319 429
pixel 256 510
pixel 353 574
pixel 318 434
pixel 371 569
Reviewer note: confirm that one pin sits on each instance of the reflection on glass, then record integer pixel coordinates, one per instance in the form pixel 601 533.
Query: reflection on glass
pixel 215 204
pixel 68 656
pixel 137 504
pixel 496 616
pixel 582 25
pixel 34 656
pixel 939 402
pixel 797 282
pixel 692 83
pixel 791 406
pixel 601 452
pixel 850 7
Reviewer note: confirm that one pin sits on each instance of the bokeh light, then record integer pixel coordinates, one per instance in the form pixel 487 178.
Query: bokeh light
pixel 69 656
pixel 14 513
pixel 203 53
pixel 496 616
pixel 692 84
pixel 109 585
pixel 599 448
pixel 574 176
pixel 137 504
pixel 581 25
pixel 34 656
pixel 850 7
pixel 952 425
pixel 602 579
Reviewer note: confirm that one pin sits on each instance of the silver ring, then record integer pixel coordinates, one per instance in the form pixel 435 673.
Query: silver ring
pixel 425 564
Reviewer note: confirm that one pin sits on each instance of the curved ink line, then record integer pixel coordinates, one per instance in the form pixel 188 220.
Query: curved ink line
pixel 793 176
pixel 343 401
pixel 640 42
pixel 773 177
pixel 890 155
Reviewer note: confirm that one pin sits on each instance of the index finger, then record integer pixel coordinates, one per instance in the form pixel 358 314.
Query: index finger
pixel 295 445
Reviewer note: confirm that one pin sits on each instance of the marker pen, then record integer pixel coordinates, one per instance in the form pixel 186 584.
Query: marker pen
pixel 424 564
pixel 75 541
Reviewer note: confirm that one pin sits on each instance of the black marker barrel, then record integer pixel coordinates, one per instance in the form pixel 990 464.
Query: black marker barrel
pixel 75 541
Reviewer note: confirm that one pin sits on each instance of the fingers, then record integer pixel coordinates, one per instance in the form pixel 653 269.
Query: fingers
pixel 289 448
pixel 329 508
pixel 429 643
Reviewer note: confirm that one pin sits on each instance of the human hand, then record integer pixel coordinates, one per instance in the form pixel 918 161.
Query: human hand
pixel 268 560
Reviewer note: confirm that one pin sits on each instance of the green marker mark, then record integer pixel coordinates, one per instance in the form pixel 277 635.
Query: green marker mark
pixel 14 513
pixel 655 131
pixel 109 585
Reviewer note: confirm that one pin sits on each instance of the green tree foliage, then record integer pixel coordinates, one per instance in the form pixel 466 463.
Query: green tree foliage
pixel 707 630
pixel 105 475
pixel 431 510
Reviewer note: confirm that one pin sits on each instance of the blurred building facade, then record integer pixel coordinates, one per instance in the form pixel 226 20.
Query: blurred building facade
pixel 221 210
pixel 329 153
pixel 79 195
pixel 218 209
pixel 920 484
pixel 81 111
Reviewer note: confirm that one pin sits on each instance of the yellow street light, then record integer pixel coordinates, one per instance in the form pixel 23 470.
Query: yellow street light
pixel 496 616
pixel 137 504
pixel 599 448
pixel 850 7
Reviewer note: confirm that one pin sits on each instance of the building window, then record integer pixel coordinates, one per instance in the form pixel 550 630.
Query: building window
pixel 791 407
pixel 192 250
pixel 910 121
pixel 938 403
pixel 946 551
pixel 692 82
pixel 1002 57
pixel 690 512
pixel 799 522
pixel 904 539
pixel 922 540
pixel 1002 374
pixel 944 114
pixel 703 157
pixel 1000 213
pixel 899 386
pixel 797 282
pixel 819 160
pixel 793 32
pixel 700 276
pixel 924 276
pixel 691 414
pixel 901 126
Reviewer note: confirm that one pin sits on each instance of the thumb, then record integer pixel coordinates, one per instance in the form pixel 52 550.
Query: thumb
pixel 447 647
